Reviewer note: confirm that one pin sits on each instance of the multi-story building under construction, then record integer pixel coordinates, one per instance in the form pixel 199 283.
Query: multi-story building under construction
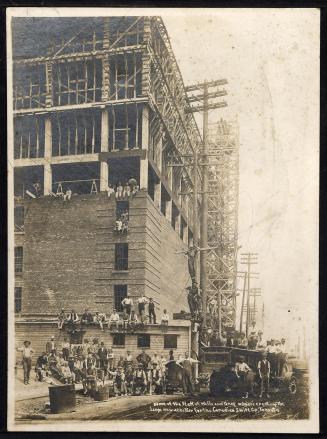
pixel 99 101
pixel 222 221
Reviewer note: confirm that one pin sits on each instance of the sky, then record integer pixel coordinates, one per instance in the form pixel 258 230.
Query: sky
pixel 271 61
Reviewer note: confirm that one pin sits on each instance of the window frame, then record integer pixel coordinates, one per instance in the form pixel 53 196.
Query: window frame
pixel 121 263
pixel 143 336
pixel 170 346
pixel 116 292
pixel 114 345
pixel 18 299
pixel 19 259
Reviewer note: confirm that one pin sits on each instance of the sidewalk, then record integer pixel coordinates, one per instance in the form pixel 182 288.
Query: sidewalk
pixel 35 389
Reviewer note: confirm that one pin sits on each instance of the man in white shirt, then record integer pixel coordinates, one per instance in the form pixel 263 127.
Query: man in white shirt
pixel 27 353
pixel 241 370
pixel 165 318
pixel 271 350
pixel 51 345
pixel 141 302
pixel 110 190
pixel 261 344
pixel 187 364
pixel 127 304
pixel 282 357
pixel 213 306
pixel 119 226
pixel 114 319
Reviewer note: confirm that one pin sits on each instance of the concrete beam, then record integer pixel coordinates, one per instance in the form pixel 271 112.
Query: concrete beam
pixel 56 160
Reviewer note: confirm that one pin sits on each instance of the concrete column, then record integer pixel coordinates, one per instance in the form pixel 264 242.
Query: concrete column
pixel 47 179
pixel 185 235
pixel 144 163
pixel 157 195
pixel 178 223
pixel 170 178
pixel 169 207
pixel 144 166
pixel 47 171
pixel 104 167
pixel 104 175
pixel 104 131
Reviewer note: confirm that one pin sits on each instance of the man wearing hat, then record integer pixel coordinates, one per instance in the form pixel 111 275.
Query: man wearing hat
pixel 51 345
pixel 144 359
pixel 157 379
pixel 261 343
pixel 281 356
pixel 139 379
pixel 272 356
pixel 103 360
pixel 187 364
pixel 27 353
pixel 241 370
pixel 264 374
pixel 61 319
pixel 119 381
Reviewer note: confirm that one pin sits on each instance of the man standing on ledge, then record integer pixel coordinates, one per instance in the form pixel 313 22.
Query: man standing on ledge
pixel 27 360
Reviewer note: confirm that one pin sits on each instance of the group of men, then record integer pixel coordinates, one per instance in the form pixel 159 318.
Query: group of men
pixel 123 191
pixel 128 320
pixel 241 378
pixel 93 364
pixel 276 350
pixel 121 225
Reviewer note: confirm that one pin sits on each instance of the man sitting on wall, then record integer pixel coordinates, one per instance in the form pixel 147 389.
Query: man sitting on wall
pixel 100 319
pixel 86 317
pixel 133 321
pixel 61 319
pixel 72 320
pixel 114 320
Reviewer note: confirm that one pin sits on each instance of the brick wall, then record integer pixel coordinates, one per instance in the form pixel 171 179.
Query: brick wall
pixel 69 253
pixel 40 332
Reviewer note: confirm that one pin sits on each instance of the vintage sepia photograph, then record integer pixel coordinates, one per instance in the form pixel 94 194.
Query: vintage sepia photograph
pixel 163 174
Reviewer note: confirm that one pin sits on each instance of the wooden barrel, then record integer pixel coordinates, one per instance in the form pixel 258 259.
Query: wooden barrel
pixel 62 398
pixel 102 394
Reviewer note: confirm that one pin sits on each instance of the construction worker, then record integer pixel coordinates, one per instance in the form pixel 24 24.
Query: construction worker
pixel 114 320
pixel 127 304
pixel 271 351
pixel 51 345
pixel 68 194
pixel 141 302
pixel 139 379
pixel 110 190
pixel 27 353
pixel 187 364
pixel 264 374
pixel 152 313
pixel 241 370
pixel 261 343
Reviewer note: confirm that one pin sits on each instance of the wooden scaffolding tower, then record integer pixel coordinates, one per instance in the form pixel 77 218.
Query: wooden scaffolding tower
pixel 223 194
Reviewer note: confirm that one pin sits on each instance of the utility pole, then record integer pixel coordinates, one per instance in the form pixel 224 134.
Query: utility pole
pixel 204 106
pixel 248 259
